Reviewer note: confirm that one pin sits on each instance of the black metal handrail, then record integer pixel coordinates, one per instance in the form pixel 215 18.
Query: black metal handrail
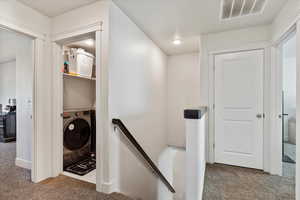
pixel 130 137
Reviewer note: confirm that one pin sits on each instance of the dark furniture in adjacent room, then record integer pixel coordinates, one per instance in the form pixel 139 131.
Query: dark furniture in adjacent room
pixel 8 126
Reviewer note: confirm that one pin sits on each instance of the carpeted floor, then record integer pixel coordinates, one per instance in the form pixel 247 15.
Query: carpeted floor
pixel 15 183
pixel 224 182
pixel 221 183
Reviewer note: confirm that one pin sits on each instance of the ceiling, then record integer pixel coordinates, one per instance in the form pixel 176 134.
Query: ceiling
pixel 86 44
pixel 163 20
pixel 53 8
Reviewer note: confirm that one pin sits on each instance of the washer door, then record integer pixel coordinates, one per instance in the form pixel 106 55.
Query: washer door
pixel 76 134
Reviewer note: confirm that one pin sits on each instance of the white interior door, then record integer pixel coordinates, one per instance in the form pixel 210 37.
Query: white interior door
pixel 239 109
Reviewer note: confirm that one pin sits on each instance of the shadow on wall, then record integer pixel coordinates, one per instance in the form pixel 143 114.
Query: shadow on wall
pixel 172 165
pixel 135 177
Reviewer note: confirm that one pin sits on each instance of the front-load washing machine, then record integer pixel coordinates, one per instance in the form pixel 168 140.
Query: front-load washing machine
pixel 77 138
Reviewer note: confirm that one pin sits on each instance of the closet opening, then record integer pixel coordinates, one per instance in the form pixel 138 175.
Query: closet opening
pixel 78 92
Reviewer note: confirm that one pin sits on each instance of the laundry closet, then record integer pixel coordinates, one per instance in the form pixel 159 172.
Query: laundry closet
pixel 78 87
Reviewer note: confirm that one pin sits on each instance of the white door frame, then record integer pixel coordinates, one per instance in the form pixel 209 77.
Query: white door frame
pixel 276 126
pixel 40 170
pixel 298 111
pixel 102 123
pixel 294 27
pixel 211 136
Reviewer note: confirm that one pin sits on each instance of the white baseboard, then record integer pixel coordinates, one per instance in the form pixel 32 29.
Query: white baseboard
pixel 23 163
pixel 106 188
pixel 90 177
pixel 202 181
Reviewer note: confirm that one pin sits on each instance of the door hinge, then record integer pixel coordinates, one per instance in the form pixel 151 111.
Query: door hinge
pixel 214 145
pixel 214 106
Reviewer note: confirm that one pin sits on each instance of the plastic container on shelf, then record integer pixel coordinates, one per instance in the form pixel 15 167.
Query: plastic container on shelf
pixel 81 62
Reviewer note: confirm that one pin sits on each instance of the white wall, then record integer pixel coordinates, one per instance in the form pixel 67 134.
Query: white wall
pixel 16 15
pixel 229 40
pixel 138 93
pixel 7 81
pixel 85 16
pixel 183 92
pixel 285 19
pixel 172 164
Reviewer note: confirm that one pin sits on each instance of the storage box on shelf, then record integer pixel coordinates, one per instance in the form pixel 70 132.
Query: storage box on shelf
pixel 79 63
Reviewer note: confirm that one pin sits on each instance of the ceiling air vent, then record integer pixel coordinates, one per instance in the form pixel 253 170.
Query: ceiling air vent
pixel 240 8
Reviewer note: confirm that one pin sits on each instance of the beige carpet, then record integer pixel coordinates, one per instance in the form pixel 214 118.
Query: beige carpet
pixel 221 183
pixel 224 182
pixel 15 183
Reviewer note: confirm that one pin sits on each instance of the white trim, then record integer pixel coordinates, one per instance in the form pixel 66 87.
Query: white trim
pixel 275 110
pixel 57 109
pixel 248 47
pixel 76 31
pixel 211 136
pixel 211 103
pixel 298 113
pixel 266 109
pixel 5 24
pixel 107 188
pixel 23 163
pixel 101 107
pixel 87 178
pixel 286 31
pixel 34 162
pixel 42 129
pixel 104 178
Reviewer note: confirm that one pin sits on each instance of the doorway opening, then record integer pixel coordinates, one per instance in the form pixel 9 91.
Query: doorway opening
pixel 288 116
pixel 16 104
pixel 76 77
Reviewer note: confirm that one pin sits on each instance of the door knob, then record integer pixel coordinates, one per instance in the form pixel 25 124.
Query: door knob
pixel 259 116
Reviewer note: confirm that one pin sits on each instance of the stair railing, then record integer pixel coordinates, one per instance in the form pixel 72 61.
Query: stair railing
pixel 133 141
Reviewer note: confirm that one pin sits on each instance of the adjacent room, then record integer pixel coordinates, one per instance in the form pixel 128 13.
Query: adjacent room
pixel 16 98
pixel 289 106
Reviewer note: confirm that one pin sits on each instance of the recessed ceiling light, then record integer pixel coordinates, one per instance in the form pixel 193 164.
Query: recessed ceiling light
pixel 177 42
pixel 89 42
